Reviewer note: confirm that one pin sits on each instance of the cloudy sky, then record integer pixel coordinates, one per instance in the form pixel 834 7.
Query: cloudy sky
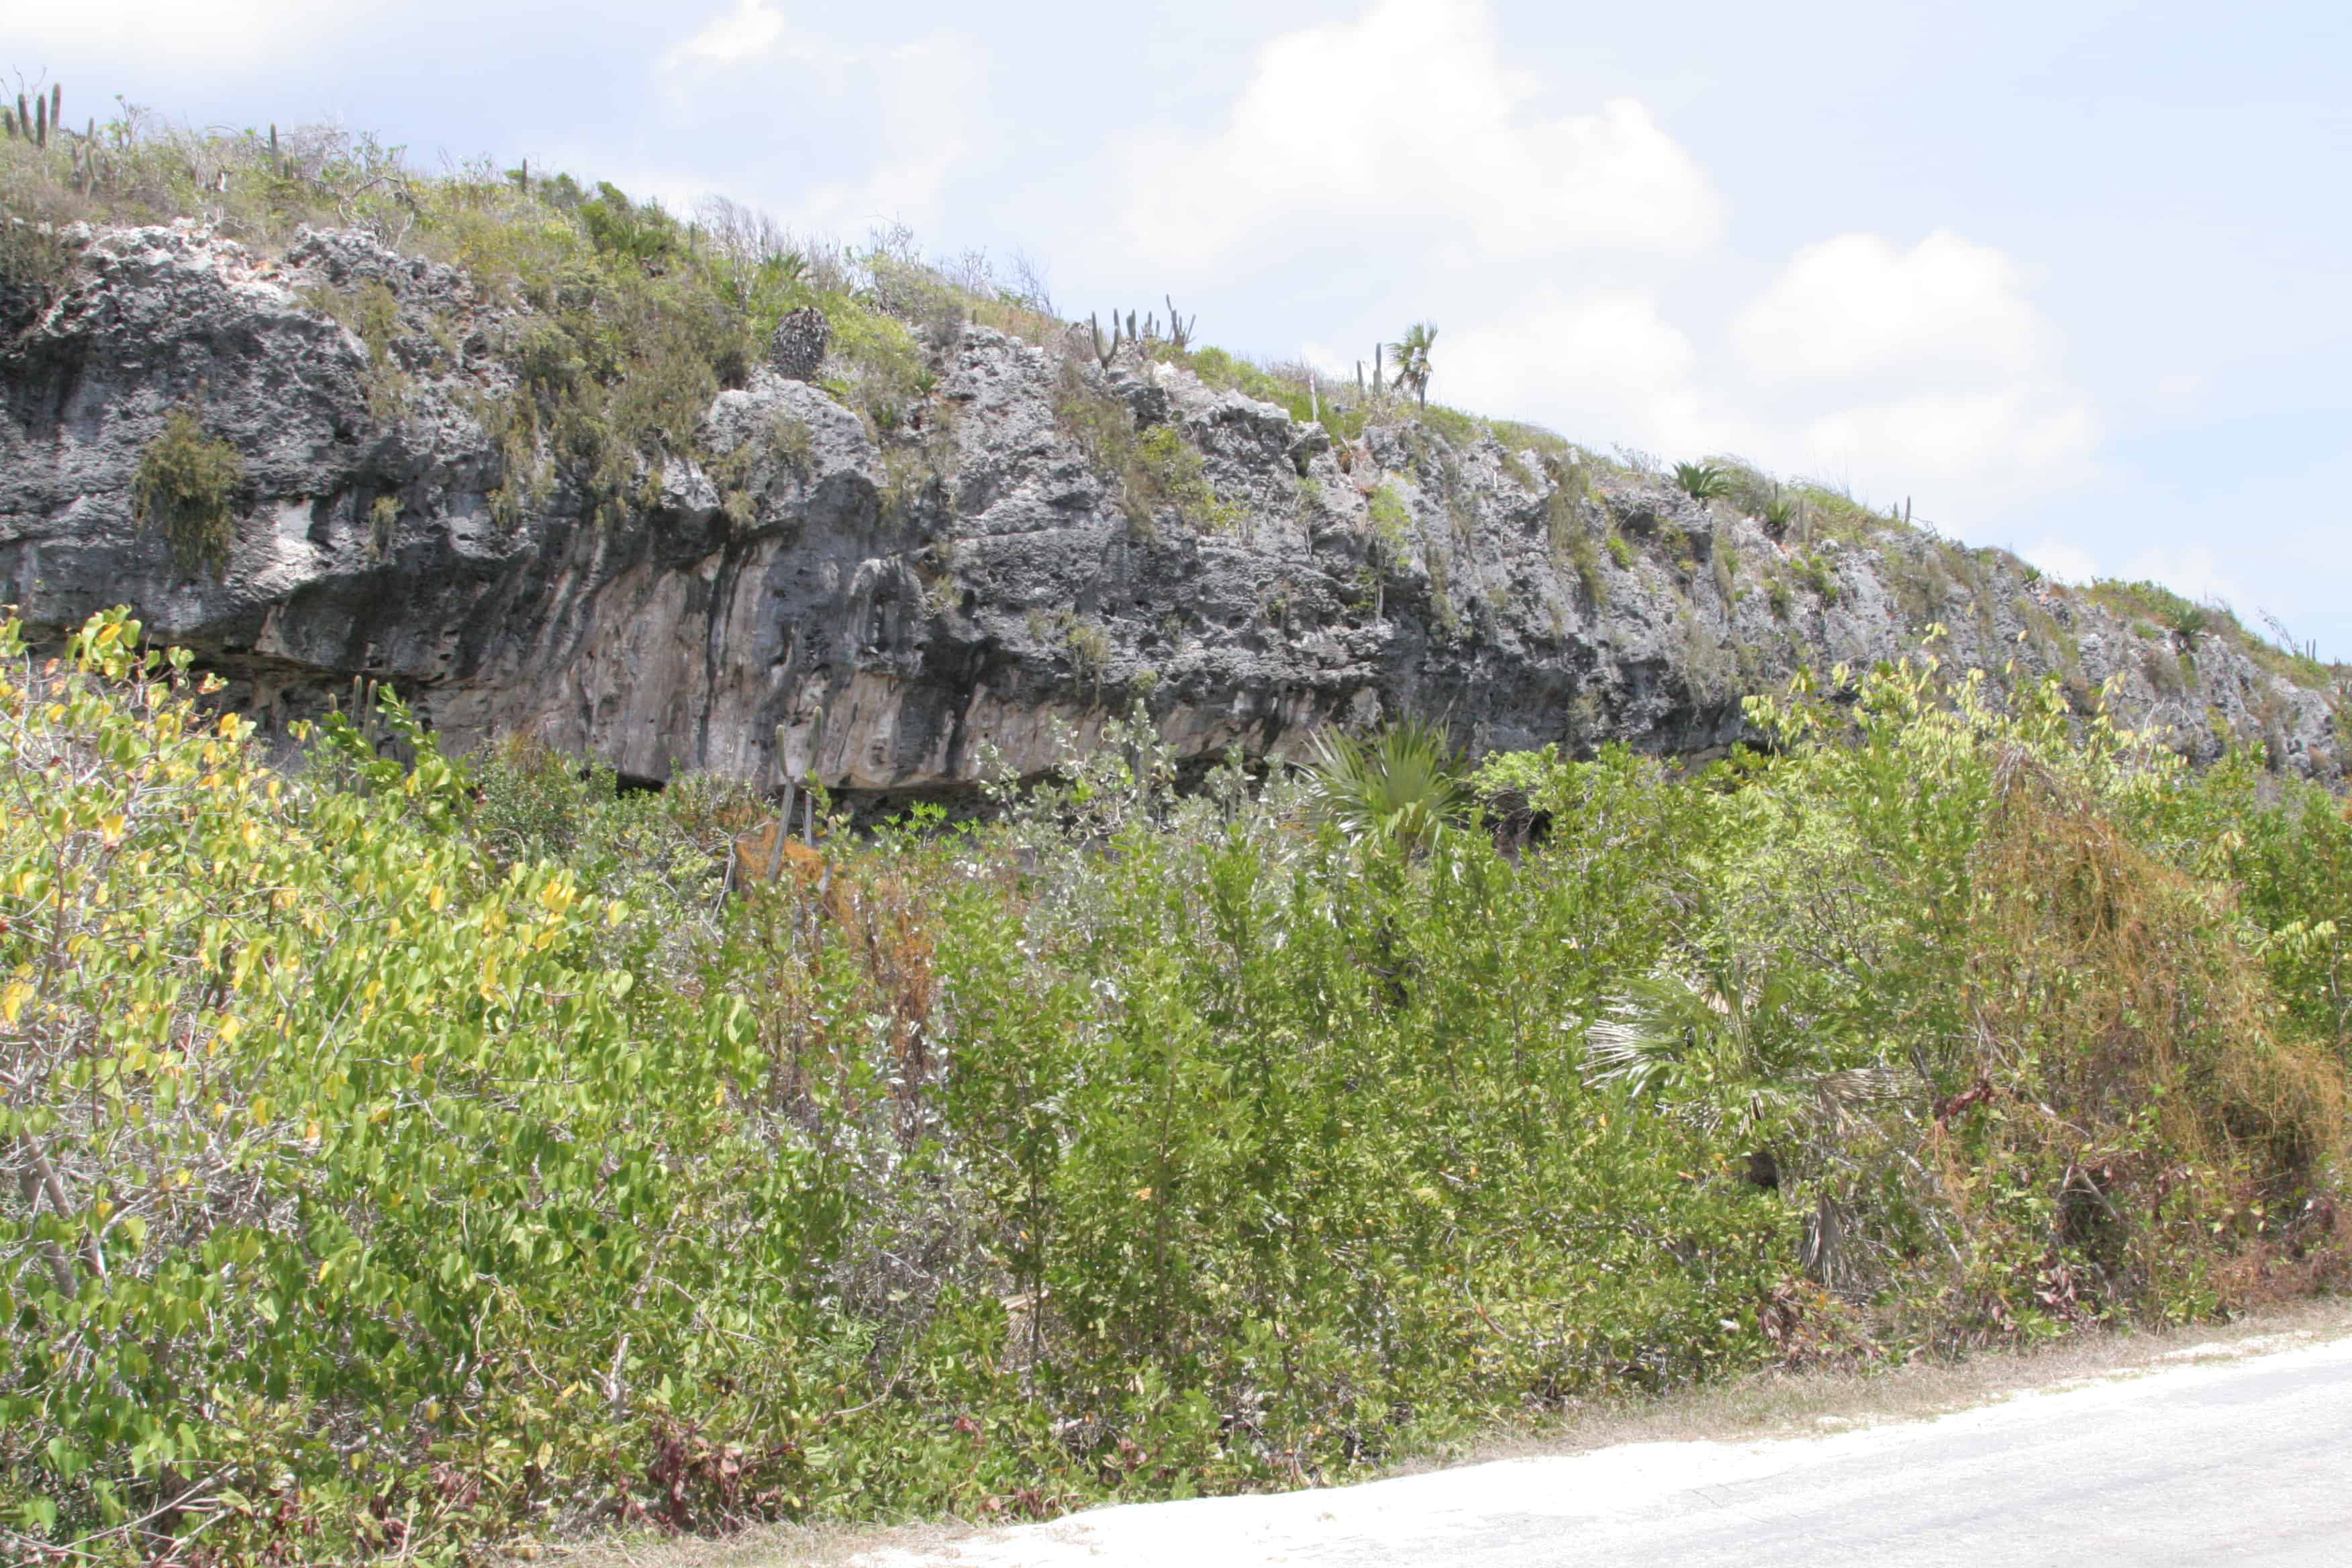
pixel 2073 276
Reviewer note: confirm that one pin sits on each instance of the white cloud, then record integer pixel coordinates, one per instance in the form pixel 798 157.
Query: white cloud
pixel 1603 367
pixel 2193 571
pixel 1856 305
pixel 1986 444
pixel 2066 562
pixel 1406 119
pixel 239 35
pixel 1607 367
pixel 1926 371
pixel 920 103
pixel 751 29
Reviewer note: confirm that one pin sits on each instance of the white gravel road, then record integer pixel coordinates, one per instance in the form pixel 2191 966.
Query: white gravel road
pixel 2246 1459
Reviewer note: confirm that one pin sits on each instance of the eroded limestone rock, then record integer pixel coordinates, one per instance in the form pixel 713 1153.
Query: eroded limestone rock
pixel 804 598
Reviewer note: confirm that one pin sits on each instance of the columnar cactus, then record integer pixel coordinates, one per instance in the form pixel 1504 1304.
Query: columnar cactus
pixel 1105 352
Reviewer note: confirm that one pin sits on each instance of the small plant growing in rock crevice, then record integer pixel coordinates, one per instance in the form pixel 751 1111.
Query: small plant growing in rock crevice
pixel 1090 650
pixel 384 519
pixel 1169 470
pixel 1392 522
pixel 1816 576
pixel 187 486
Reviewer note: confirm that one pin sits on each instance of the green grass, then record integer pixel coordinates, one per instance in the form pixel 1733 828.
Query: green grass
pixel 2189 622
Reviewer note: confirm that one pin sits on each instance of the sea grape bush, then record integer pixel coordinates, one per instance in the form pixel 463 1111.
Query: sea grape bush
pixel 406 1157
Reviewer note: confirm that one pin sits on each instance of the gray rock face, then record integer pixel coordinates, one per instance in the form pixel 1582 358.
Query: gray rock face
pixel 814 599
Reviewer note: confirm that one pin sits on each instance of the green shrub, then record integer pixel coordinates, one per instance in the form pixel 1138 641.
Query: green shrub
pixel 1456 426
pixel 187 486
pixel 885 365
pixel 1090 650
pixel 1818 577
pixel 1391 523
pixel 638 232
pixel 1169 472
pixel 448 1154
pixel 1585 557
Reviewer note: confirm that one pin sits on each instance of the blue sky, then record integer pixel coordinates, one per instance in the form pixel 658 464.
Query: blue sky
pixel 2072 277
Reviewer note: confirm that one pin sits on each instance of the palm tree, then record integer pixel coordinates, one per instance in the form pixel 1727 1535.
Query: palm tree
pixel 1412 355
pixel 1403 785
pixel 1734 1052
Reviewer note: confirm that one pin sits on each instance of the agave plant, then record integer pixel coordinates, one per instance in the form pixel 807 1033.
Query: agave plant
pixel 1702 482
pixel 1402 785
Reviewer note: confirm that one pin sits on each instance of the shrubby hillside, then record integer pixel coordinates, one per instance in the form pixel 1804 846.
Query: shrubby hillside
pixel 1784 937
pixel 409 1158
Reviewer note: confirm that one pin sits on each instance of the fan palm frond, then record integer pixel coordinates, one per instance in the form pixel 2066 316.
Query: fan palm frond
pixel 1403 785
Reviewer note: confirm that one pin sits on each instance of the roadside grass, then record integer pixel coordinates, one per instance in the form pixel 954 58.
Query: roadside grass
pixel 1774 1405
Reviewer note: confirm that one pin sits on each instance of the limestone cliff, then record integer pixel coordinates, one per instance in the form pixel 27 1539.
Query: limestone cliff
pixel 804 591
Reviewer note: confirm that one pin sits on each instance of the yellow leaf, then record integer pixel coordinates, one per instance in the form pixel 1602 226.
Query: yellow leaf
pixel 435 899
pixel 13 1000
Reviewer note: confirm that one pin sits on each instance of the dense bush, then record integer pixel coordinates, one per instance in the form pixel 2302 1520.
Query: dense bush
pixel 187 486
pixel 404 1158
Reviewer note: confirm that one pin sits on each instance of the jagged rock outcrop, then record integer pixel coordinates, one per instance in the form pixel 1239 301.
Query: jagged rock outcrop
pixel 804 593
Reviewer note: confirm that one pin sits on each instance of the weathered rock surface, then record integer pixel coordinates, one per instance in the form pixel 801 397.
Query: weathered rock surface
pixel 878 612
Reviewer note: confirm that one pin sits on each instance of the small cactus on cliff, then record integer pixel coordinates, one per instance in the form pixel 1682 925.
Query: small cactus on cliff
pixel 1106 352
